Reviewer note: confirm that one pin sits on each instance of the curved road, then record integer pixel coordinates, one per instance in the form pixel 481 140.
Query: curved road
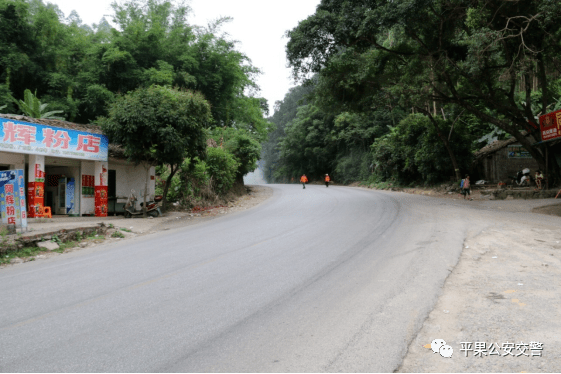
pixel 321 279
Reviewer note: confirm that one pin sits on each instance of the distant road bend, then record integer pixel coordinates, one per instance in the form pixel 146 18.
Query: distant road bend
pixel 321 279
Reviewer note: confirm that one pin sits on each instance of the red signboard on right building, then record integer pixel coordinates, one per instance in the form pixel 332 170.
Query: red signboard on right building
pixel 550 125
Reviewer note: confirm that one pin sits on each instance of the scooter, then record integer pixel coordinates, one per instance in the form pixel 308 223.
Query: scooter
pixel 523 178
pixel 153 207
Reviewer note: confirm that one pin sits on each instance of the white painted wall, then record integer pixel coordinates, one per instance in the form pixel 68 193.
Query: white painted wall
pixel 87 204
pixel 13 160
pixel 35 160
pixel 129 176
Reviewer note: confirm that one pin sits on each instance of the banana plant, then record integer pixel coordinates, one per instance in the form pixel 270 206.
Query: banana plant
pixel 31 106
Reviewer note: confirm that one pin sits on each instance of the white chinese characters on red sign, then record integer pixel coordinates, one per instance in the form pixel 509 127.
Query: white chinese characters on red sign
pixel 550 125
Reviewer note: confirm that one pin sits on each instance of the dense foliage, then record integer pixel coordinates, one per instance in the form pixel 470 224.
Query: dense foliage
pixel 495 61
pixel 474 68
pixel 159 125
pixel 412 151
pixel 124 75
pixel 80 69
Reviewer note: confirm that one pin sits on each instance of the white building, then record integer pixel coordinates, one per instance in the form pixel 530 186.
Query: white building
pixel 70 168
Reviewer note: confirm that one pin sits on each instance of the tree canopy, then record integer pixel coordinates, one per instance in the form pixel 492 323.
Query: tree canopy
pixel 477 70
pixel 80 69
pixel 496 60
pixel 159 125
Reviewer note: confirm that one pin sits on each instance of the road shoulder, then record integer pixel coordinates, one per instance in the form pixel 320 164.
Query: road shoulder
pixel 120 229
pixel 504 290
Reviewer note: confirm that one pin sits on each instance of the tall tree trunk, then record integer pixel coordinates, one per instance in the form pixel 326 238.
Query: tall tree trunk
pixel 173 171
pixel 508 127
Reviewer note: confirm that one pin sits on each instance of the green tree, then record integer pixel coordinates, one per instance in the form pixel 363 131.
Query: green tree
pixel 481 56
pixel 222 167
pixel 284 112
pixel 306 148
pixel 411 152
pixel 159 125
pixel 242 146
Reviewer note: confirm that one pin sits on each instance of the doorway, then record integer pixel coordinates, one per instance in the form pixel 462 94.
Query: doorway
pixel 60 189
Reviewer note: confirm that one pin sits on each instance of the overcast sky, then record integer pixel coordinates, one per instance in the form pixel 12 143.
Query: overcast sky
pixel 258 25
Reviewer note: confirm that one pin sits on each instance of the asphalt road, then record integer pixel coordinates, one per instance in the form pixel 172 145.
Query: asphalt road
pixel 321 279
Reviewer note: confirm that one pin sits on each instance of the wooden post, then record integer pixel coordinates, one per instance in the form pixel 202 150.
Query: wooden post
pixel 546 170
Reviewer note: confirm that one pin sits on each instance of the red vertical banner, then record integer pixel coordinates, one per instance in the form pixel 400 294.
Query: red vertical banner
pixel 101 201
pixel 36 193
pixel 35 198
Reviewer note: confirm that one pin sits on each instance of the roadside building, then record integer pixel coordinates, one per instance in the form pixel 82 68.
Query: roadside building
pixel 501 159
pixel 69 167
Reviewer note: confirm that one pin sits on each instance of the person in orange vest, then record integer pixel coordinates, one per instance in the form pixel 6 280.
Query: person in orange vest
pixel 327 180
pixel 304 180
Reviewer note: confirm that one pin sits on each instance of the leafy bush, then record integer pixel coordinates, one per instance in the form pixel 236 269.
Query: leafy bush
pixel 117 234
pixel 240 144
pixel 353 166
pixel 222 168
pixel 413 152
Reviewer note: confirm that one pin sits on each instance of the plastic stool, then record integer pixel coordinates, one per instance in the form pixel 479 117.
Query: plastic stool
pixel 46 213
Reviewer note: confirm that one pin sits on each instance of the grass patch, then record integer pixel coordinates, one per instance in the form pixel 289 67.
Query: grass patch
pixel 22 253
pixel 117 234
pixel 125 229
pixel 93 236
pixel 65 246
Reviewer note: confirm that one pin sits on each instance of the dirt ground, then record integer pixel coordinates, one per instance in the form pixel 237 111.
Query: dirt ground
pixel 542 206
pixel 503 293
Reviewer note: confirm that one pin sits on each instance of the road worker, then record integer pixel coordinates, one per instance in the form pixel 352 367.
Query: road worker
pixel 327 180
pixel 304 180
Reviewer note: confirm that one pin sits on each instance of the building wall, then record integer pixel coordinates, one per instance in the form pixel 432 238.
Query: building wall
pixel 129 176
pixel 14 160
pixel 498 167
pixel 87 203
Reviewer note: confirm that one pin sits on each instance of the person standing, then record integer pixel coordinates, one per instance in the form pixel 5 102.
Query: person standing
pixel 466 188
pixel 304 180
pixel 327 180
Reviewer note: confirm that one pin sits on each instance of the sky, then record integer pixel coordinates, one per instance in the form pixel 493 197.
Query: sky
pixel 258 25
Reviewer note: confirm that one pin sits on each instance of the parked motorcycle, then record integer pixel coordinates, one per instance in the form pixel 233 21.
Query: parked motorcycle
pixel 152 207
pixel 522 178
